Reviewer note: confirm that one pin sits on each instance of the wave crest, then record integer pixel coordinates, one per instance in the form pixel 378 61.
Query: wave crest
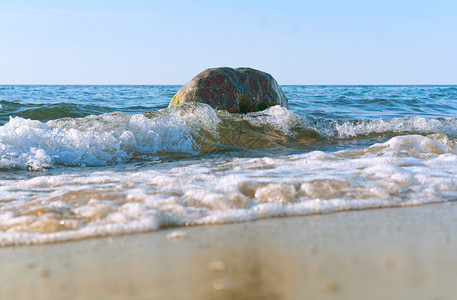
pixel 189 129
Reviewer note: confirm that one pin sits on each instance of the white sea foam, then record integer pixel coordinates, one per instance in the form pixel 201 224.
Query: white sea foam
pixel 116 138
pixel 412 124
pixel 405 170
pixel 102 140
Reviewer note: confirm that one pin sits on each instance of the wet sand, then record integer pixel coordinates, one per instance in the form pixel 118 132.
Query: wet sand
pixel 399 253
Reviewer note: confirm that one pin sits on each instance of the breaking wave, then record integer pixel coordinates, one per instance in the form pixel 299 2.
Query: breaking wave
pixel 405 170
pixel 187 129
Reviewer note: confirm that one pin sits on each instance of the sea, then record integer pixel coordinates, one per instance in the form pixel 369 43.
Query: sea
pixel 84 161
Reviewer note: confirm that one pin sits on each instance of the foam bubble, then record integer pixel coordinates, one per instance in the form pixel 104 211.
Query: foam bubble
pixel 176 235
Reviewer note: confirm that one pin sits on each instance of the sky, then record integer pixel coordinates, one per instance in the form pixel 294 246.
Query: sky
pixel 169 42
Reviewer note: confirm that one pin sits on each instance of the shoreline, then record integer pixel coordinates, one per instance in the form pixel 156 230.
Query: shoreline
pixel 391 252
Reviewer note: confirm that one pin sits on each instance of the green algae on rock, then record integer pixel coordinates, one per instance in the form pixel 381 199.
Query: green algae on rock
pixel 239 90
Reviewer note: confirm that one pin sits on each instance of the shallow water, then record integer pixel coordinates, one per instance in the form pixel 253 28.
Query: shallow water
pixel 87 161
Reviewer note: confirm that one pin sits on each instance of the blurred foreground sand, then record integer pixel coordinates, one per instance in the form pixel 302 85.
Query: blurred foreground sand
pixel 400 253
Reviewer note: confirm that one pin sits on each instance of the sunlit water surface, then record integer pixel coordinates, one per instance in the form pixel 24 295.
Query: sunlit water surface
pixel 88 161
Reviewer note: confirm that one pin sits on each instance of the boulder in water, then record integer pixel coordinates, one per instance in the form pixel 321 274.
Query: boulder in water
pixel 239 90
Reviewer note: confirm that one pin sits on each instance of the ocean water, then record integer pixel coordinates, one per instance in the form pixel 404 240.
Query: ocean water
pixel 91 161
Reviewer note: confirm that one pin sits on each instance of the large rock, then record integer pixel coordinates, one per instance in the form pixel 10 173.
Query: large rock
pixel 238 90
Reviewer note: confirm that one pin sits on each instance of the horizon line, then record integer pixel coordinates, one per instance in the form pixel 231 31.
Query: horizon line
pixel 295 84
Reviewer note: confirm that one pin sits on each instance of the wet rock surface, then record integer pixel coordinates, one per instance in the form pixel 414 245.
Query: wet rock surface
pixel 239 90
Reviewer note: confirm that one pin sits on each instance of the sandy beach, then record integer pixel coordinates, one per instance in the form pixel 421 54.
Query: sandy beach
pixel 228 150
pixel 401 253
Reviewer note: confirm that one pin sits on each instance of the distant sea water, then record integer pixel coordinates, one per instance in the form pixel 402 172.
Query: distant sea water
pixel 90 161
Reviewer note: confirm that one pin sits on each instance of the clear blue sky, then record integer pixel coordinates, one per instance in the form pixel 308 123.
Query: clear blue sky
pixel 168 42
